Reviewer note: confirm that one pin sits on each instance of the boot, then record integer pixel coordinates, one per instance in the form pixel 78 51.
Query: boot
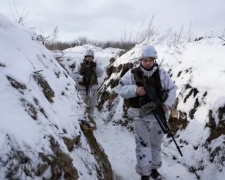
pixel 84 126
pixel 155 174
pixel 92 123
pixel 144 177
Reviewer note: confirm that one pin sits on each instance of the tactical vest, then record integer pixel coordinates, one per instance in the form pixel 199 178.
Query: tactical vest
pixel 153 81
pixel 88 72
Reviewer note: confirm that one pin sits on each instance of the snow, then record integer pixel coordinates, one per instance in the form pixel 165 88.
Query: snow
pixel 200 64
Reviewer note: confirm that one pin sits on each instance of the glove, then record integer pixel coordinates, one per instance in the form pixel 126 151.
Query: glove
pixel 93 64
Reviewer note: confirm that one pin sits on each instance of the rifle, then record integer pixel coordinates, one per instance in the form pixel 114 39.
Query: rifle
pixel 155 106
pixel 88 76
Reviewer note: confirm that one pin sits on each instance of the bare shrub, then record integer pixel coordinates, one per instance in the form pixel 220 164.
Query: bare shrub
pixel 19 17
pixel 177 41
pixel 126 42
pixel 148 33
pixel 54 35
pixel 58 45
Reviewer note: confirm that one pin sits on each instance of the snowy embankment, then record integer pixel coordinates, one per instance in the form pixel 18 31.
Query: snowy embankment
pixel 198 117
pixel 40 135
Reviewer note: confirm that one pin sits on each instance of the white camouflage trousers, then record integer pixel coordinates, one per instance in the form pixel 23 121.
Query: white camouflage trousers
pixel 90 99
pixel 148 136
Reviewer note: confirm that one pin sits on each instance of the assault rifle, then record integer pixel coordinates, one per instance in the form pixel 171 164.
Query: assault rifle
pixel 155 106
pixel 88 75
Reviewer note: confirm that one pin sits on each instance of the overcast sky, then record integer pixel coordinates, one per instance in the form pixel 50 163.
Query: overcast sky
pixel 112 19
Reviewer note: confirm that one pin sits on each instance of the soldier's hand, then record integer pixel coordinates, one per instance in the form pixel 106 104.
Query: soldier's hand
pixel 93 64
pixel 164 108
pixel 140 91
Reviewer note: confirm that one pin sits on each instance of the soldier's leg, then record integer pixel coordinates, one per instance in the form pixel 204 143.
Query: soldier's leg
pixel 143 147
pixel 92 102
pixel 86 98
pixel 84 95
pixel 86 125
pixel 156 136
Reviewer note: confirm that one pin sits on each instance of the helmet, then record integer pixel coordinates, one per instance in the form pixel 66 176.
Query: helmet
pixel 89 52
pixel 112 59
pixel 148 51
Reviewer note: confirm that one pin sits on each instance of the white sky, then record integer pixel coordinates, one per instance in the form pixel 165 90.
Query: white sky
pixel 111 19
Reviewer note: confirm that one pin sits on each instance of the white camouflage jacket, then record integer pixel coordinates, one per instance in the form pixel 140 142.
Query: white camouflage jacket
pixel 127 86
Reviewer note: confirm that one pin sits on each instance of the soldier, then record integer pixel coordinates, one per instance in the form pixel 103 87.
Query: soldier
pixel 86 75
pixel 110 69
pixel 148 133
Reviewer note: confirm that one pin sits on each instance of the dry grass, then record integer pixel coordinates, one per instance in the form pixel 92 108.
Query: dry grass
pixel 127 42
pixel 58 45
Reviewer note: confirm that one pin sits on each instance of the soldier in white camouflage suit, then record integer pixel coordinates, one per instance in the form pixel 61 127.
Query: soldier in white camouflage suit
pixel 86 75
pixel 148 134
